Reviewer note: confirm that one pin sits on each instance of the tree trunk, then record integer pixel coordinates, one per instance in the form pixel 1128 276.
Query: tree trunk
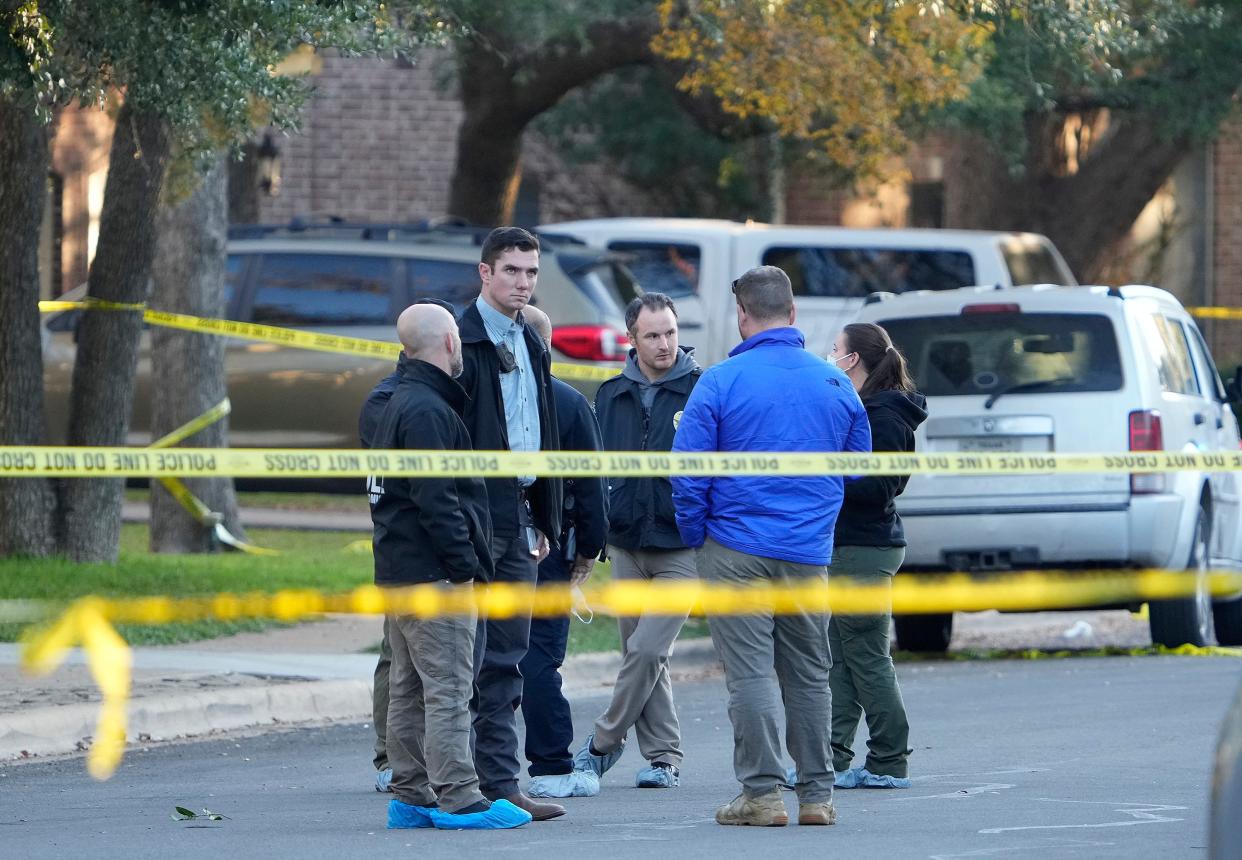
pixel 188 276
pixel 103 375
pixel 504 86
pixel 1084 212
pixel 487 171
pixel 25 503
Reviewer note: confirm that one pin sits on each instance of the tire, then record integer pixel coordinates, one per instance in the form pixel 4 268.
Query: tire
pixel 928 634
pixel 1188 620
pixel 1228 618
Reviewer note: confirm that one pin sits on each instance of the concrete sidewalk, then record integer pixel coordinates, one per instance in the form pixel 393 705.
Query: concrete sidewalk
pixel 308 673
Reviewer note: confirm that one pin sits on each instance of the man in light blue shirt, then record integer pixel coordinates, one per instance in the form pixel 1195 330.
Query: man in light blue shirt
pixel 508 377
pixel 518 388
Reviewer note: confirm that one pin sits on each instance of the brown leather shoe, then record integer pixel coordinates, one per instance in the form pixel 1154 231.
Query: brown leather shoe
pixel 538 809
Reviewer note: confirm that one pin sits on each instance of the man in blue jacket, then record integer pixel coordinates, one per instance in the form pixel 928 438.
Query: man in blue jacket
pixel 770 395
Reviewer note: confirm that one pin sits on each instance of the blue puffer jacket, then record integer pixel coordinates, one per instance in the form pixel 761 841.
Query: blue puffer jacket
pixel 770 395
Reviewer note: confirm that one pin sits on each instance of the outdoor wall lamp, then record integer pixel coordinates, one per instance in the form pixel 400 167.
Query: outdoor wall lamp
pixel 269 165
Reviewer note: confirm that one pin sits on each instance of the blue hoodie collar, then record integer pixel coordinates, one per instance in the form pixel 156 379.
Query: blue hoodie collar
pixel 784 336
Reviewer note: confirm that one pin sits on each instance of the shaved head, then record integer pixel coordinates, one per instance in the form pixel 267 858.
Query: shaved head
pixel 429 333
pixel 540 322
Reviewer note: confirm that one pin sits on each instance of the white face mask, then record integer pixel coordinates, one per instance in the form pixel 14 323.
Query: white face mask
pixel 840 359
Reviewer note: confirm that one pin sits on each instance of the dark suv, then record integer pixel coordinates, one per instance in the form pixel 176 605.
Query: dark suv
pixel 353 279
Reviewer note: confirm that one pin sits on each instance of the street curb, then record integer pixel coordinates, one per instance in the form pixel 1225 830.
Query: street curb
pixel 63 729
pixel 68 728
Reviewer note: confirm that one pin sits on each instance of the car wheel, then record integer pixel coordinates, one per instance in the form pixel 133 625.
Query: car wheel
pixel 924 633
pixel 1228 617
pixel 1188 620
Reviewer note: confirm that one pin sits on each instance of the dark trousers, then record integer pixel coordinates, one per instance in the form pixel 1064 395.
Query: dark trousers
pixel 499 647
pixel 545 710
pixel 379 701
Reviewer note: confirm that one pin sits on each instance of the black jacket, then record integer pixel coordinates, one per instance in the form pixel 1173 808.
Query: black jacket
pixel 585 520
pixel 373 408
pixel 640 510
pixel 428 529
pixel 485 419
pixel 868 515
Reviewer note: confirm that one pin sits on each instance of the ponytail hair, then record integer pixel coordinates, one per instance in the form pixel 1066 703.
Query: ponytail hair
pixel 884 363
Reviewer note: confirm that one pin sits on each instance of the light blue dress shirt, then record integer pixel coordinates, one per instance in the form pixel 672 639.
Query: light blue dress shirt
pixel 519 390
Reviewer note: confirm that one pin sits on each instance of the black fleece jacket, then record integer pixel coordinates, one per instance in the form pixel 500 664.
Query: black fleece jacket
pixel 868 514
pixel 484 415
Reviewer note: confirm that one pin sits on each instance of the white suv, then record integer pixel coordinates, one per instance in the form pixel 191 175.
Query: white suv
pixel 1084 369
pixel 833 269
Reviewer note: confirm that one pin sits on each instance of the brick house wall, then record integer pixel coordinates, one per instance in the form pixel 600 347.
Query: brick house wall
pixel 379 140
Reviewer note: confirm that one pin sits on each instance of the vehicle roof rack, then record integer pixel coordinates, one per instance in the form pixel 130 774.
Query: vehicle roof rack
pixel 336 227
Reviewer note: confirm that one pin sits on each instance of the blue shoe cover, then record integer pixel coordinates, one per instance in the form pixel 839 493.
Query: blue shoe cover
pixel 405 816
pixel 502 816
pixel 883 780
pixel 596 764
pixel 383 780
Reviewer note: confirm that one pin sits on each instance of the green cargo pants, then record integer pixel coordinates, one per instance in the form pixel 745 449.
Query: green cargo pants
pixel 862 677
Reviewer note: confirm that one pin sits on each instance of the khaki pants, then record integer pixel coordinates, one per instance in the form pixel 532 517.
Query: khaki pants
pixel 862 676
pixel 428 736
pixel 643 695
pixel 795 647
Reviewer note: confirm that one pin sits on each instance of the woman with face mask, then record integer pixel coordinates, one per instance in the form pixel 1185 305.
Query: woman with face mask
pixel 868 548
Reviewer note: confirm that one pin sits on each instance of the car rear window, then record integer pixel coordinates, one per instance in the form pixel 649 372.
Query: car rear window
pixel 986 353
pixel 323 290
pixel 858 272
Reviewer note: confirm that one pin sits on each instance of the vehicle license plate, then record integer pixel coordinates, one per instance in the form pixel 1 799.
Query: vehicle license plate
pixel 997 444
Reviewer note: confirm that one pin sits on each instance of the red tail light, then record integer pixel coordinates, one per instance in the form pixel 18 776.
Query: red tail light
pixel 591 342
pixel 1146 434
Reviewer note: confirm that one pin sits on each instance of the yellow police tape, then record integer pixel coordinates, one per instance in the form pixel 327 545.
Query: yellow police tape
pixel 88 622
pixel 63 461
pixel 318 341
pixel 1216 313
pixel 191 503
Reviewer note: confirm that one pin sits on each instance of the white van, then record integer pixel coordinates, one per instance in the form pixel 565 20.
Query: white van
pixel 833 269
pixel 1084 369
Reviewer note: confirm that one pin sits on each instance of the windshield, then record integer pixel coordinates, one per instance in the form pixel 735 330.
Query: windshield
pixel 991 353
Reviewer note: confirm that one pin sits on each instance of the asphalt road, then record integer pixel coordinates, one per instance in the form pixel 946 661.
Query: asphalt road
pixel 1087 757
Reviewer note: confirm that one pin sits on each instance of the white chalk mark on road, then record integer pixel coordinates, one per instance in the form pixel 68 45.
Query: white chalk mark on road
pixel 969 791
pixel 1010 849
pixel 1140 813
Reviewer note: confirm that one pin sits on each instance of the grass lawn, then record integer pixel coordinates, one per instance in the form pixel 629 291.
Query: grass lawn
pixel 309 559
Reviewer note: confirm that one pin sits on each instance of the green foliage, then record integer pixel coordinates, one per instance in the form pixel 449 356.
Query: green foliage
pixel 632 120
pixel 1166 59
pixel 205 67
pixel 25 54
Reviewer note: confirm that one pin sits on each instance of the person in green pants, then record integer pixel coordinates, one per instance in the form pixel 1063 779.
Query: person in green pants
pixel 869 546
